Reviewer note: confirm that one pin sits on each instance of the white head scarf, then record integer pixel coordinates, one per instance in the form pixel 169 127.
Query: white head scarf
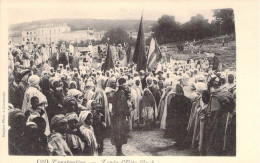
pixel 82 116
pixel 34 80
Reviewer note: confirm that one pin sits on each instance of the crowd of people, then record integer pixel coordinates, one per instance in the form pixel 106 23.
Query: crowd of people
pixel 63 110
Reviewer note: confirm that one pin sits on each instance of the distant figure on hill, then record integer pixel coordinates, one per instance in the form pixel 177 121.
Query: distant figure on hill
pixel 215 62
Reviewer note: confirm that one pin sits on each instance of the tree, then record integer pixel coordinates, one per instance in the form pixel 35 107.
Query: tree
pixel 166 30
pixel 116 35
pixel 224 19
pixel 196 28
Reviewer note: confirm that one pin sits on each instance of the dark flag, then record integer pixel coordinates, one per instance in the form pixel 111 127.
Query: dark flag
pixel 128 53
pixel 109 61
pixel 139 54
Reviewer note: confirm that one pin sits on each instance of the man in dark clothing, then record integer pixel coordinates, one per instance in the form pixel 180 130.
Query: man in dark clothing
pixel 17 89
pixel 55 100
pixel 215 63
pixel 35 139
pixel 178 116
pixel 16 132
pixel 143 79
pixel 99 126
pixel 63 59
pixel 120 112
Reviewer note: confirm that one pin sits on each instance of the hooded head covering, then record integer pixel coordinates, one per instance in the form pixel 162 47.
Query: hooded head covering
pixel 111 80
pixel 57 119
pixel 10 106
pixel 69 98
pixel 149 78
pixel 72 116
pixel 31 124
pixel 101 82
pixel 89 83
pixel 74 92
pixel 53 80
pixel 200 87
pixel 185 79
pixel 23 73
pixel 34 80
pixel 82 116
pixel 72 82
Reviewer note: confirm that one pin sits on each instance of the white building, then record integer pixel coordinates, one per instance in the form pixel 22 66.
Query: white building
pixel 77 36
pixel 50 33
pixel 99 35
pixel 44 35
pixel 15 39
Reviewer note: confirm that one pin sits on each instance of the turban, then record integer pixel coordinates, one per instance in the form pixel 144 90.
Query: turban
pixel 69 98
pixel 185 79
pixel 57 119
pixel 10 106
pixel 24 72
pixel 31 124
pixel 112 79
pixel 90 83
pixel 200 87
pixel 149 78
pixel 74 92
pixel 131 83
pixel 53 80
pixel 64 75
pixel 136 74
pixel 141 72
pixel 137 78
pixel 101 81
pixel 34 80
pixel 117 75
pixel 167 83
pixel 72 116
pixel 82 116
pixel 222 75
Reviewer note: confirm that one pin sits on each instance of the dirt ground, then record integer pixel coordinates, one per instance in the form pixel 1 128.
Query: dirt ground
pixel 146 143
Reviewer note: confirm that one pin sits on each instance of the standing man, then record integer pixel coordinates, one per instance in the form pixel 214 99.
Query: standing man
pixel 215 63
pixel 71 49
pixel 120 112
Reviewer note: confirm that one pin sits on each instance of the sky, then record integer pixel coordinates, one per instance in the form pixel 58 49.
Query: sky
pixel 27 11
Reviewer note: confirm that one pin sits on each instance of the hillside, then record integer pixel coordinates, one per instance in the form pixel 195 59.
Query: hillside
pixel 226 54
pixel 80 24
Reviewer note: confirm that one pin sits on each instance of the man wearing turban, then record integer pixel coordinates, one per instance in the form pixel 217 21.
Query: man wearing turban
pixel 59 125
pixel 33 90
pixel 87 132
pixel 120 112
pixel 73 140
